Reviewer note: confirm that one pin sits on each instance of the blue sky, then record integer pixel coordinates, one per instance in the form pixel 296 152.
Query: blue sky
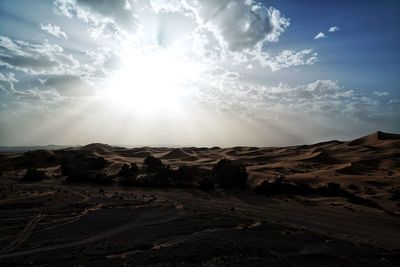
pixel 179 72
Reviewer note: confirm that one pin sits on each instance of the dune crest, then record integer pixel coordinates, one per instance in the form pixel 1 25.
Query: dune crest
pixel 97 147
pixel 374 139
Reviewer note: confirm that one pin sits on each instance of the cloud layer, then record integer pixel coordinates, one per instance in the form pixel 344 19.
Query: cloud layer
pixel 53 30
pixel 247 77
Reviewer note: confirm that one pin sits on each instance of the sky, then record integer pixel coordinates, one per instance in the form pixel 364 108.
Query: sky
pixel 197 72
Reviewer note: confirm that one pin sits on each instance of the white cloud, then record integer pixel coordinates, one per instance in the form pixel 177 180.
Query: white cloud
pixel 53 30
pixel 287 59
pixel 69 86
pixel 322 101
pixel 320 35
pixel 381 93
pixel 239 24
pixel 334 29
pixel 7 86
pixel 114 16
pixel 7 82
pixel 45 58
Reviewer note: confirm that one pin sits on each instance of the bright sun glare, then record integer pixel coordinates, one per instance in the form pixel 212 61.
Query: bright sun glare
pixel 152 80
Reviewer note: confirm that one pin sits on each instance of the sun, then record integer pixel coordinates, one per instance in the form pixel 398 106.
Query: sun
pixel 152 79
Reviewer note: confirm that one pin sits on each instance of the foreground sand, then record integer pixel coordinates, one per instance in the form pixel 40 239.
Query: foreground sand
pixel 50 223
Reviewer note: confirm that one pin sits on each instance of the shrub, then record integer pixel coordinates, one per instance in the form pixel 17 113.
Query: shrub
pixel 330 190
pixel 128 181
pixel 278 187
pixel 153 163
pixel 395 195
pixel 186 173
pixel 95 163
pixel 33 175
pixel 352 187
pixel 128 170
pixel 229 175
pixel 102 178
pixel 78 176
pixel 151 180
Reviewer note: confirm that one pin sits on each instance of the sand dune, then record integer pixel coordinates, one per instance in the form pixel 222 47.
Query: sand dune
pixel 175 154
pixel 320 156
pixel 97 147
pixel 114 225
pixel 374 139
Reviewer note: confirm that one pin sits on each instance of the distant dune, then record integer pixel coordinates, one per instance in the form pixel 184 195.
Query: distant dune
pixel 374 139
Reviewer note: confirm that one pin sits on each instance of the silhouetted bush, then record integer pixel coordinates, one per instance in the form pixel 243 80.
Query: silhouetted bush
pixel 33 175
pixel 395 195
pixel 186 173
pixel 127 181
pixel 330 190
pixel 352 198
pixel 152 180
pixel 153 163
pixel 279 187
pixel 164 171
pixel 128 174
pixel 82 168
pixel 352 187
pixel 128 170
pixel 95 163
pixel 229 175
pixel 102 178
pixel 51 159
pixel 84 162
pixel 78 176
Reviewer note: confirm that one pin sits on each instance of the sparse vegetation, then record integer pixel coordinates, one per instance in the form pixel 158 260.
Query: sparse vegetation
pixel 128 170
pixel 395 195
pixel 102 178
pixel 280 186
pixel 330 190
pixel 153 163
pixel 230 175
pixel 33 175
pixel 152 180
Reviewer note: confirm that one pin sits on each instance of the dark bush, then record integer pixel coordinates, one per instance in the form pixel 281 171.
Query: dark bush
pixel 79 176
pixel 102 178
pixel 352 198
pixel 352 187
pixel 33 175
pixel 395 195
pixel 330 190
pixel 51 159
pixel 128 170
pixel 186 173
pixel 229 175
pixel 95 163
pixel 153 163
pixel 164 171
pixel 128 181
pixel 83 168
pixel 279 187
pixel 152 180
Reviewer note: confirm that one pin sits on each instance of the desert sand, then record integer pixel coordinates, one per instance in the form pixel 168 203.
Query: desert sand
pixel 335 203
